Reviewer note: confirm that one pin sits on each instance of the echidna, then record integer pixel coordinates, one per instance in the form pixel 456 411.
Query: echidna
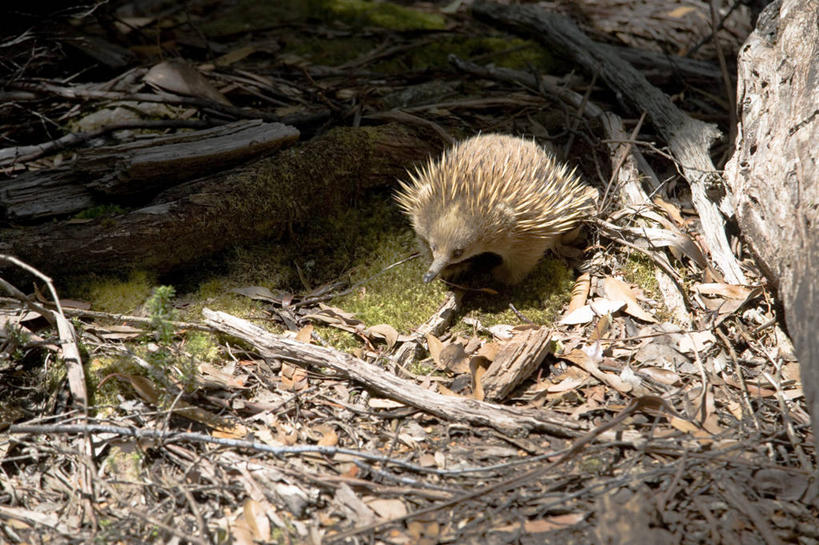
pixel 494 193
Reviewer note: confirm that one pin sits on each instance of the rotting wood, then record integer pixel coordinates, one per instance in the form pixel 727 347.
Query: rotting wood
pixel 199 218
pixel 139 168
pixel 689 139
pixel 510 420
pixel 515 362
pixel 774 172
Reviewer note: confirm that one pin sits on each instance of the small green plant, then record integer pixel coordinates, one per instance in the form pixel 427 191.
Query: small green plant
pixel 162 313
pixel 165 357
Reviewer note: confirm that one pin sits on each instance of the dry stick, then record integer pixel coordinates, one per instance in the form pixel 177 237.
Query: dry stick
pixel 636 404
pixel 746 397
pixel 786 419
pixel 22 154
pixel 688 138
pixel 75 372
pixel 506 419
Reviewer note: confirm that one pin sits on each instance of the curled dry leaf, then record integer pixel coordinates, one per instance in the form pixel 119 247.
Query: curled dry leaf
pixel 660 375
pixel 383 331
pixel 580 292
pixel 183 79
pixel 329 437
pixel 304 334
pixel 293 379
pixel 731 291
pixel 388 508
pixel 587 313
pixel 435 347
pixel 453 357
pixel 617 290
pixel 256 518
pixel 478 370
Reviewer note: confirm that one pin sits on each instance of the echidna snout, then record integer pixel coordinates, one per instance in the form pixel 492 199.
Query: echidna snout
pixel 498 194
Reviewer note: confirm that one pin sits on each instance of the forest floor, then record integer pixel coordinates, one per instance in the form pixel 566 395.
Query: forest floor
pixel 308 387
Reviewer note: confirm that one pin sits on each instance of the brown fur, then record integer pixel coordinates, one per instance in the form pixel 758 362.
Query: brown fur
pixel 494 193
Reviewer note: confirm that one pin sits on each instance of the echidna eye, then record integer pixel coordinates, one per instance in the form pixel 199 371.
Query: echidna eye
pixel 433 247
pixel 457 253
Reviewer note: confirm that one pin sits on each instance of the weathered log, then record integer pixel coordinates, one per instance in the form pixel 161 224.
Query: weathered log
pixel 114 174
pixel 199 218
pixel 774 172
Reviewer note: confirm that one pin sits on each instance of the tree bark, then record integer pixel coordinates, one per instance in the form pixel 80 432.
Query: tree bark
pixel 774 172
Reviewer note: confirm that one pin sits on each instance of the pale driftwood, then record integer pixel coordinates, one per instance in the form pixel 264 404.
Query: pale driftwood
pixel 140 168
pixel 257 200
pixel 509 420
pixel 515 362
pixel 774 172
pixel 688 138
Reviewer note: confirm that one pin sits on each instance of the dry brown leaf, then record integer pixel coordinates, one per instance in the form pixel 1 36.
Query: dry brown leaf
pixel 567 384
pixel 329 437
pixel 671 210
pixel 731 291
pixel 680 12
pixel 304 335
pixel 753 389
pixel 293 379
pixel 383 331
pixel 453 358
pixel 477 371
pixel 587 363
pixel 183 79
pixel 617 290
pixel 118 332
pixel 257 521
pixel 213 377
pixel 580 292
pixel 388 508
pixel 538 526
pixel 435 347
pixel 489 351
pixel 660 375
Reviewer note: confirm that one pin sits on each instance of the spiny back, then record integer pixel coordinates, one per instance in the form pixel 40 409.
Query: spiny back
pixel 498 182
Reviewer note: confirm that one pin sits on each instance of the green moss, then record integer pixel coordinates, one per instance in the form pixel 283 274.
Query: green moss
pixel 249 15
pixel 360 13
pixel 501 51
pixel 98 368
pixel 202 346
pixel 105 210
pixel 113 293
pixel 639 269
pixel 338 338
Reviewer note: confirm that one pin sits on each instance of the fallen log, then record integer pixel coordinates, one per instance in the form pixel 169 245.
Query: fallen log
pixel 195 219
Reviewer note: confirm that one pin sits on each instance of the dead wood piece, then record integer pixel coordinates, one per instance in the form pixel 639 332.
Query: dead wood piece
pixel 688 138
pixel 773 173
pixel 506 419
pixel 515 362
pixel 199 218
pixel 143 167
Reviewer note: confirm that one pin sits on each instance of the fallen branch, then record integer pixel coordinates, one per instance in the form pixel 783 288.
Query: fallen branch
pixel 507 419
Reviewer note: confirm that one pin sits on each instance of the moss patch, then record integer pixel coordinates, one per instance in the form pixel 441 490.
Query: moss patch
pixel 113 293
